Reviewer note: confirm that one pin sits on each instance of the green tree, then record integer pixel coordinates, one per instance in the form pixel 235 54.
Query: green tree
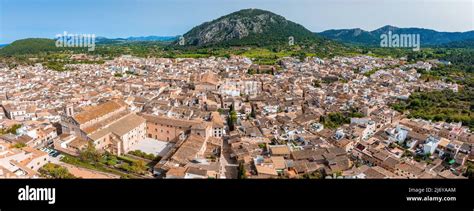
pixel 469 173
pixel 253 114
pixel 138 166
pixel 112 160
pixel 90 154
pixel 242 172
pixel 232 118
pixel 334 120
pixel 317 83
pixel 444 105
pixel 12 130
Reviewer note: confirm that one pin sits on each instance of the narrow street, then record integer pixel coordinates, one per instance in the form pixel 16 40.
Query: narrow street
pixel 228 165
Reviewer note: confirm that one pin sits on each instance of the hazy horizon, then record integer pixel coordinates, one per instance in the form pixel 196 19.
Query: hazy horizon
pixel 21 19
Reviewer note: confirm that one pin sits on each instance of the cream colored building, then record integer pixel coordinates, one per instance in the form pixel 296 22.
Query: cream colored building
pixel 109 126
pixel 20 163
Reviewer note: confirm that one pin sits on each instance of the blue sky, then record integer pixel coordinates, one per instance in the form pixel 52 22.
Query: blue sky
pixel 122 18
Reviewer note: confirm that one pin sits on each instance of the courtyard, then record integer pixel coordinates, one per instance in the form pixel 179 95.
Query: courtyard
pixel 153 146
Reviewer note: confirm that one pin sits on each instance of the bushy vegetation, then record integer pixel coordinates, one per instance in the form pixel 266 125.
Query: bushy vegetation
pixel 462 74
pixel 132 165
pixel 469 172
pixel 19 145
pixel 335 120
pixel 130 73
pixel 242 173
pixel 232 118
pixel 91 159
pixel 469 43
pixel 443 105
pixel 12 130
pixel 253 72
pixel 55 171
pixel 329 79
pixel 145 155
pixel 109 159
pixel 137 167
pixel 53 65
pixel 90 154
pixel 313 175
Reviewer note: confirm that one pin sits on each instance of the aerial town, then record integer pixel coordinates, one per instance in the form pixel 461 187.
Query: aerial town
pixel 218 118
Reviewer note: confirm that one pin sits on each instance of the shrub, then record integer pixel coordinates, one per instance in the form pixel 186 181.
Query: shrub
pixel 56 171
pixel 19 145
pixel 141 154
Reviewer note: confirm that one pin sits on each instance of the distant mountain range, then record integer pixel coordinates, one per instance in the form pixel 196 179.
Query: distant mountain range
pixel 38 45
pixel 105 40
pixel 255 27
pixel 428 37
